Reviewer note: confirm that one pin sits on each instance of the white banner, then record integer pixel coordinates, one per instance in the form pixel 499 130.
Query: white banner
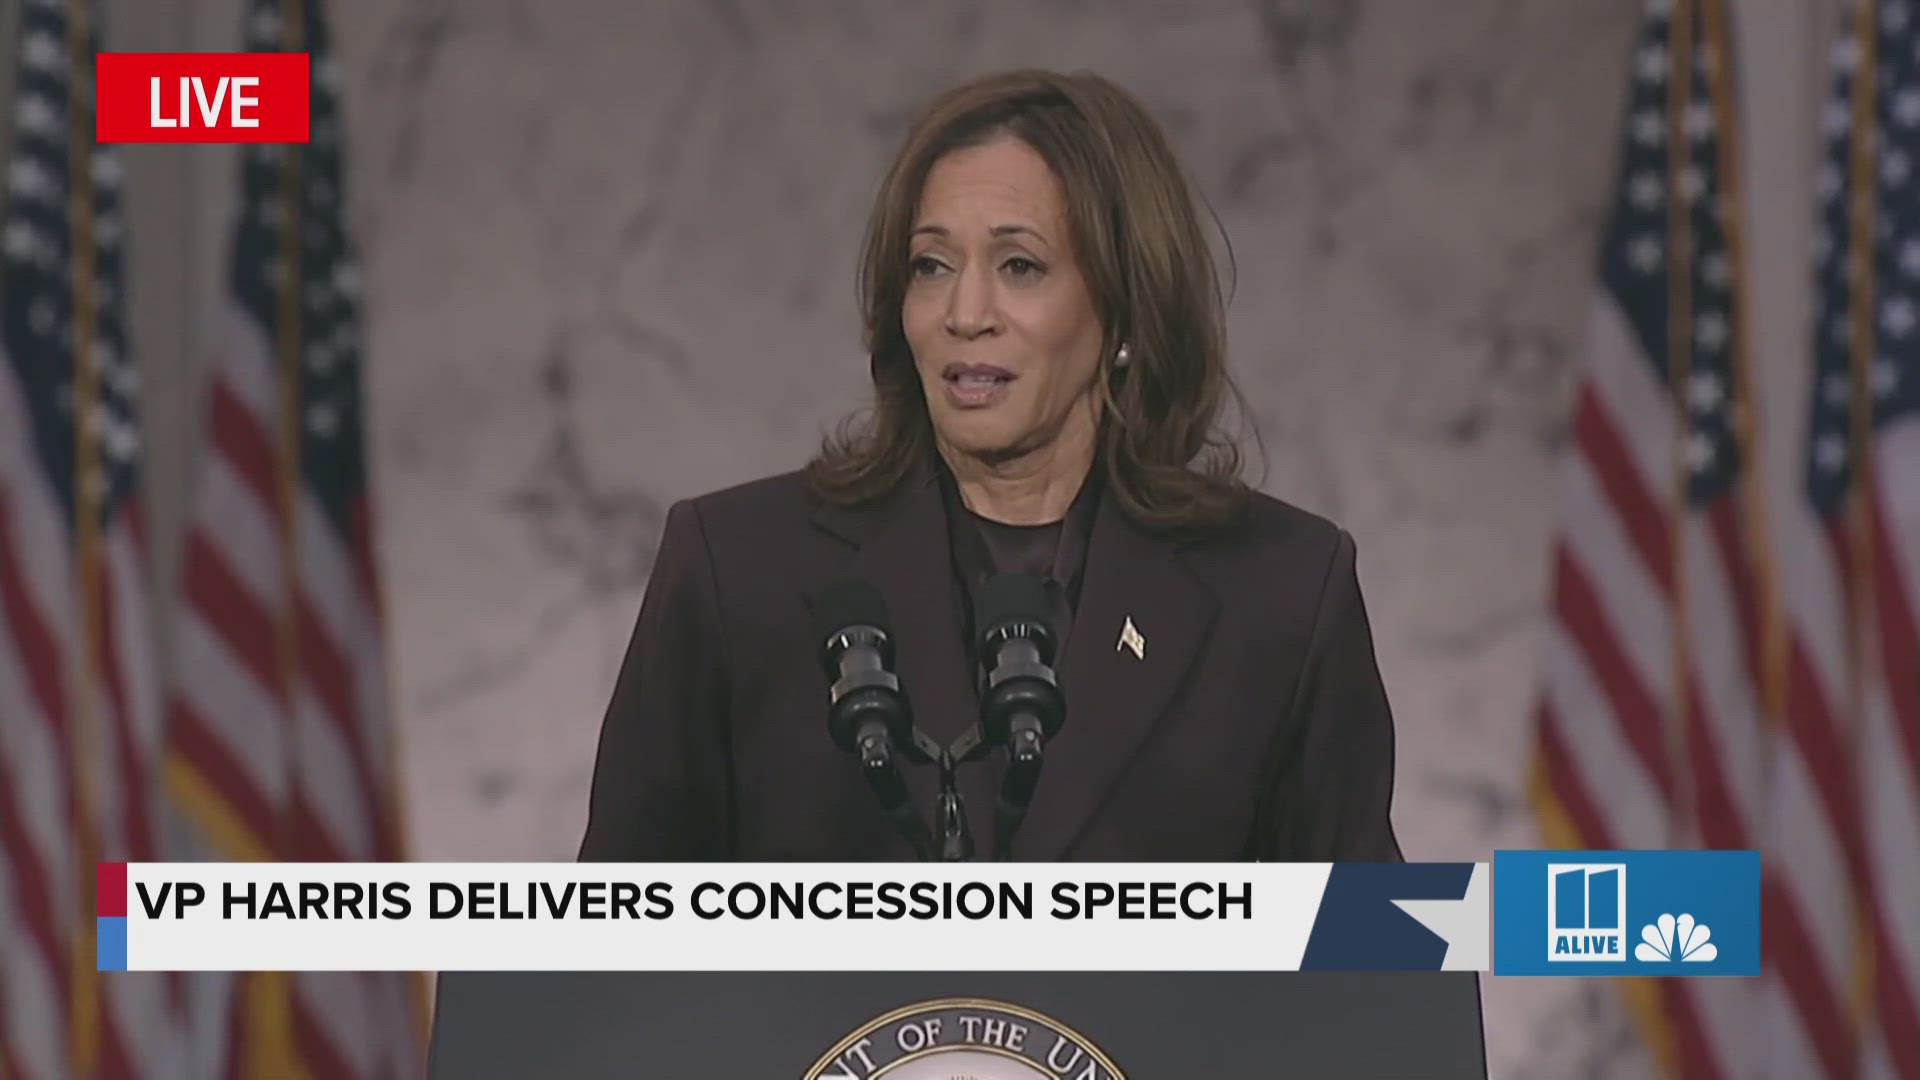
pixel 758 917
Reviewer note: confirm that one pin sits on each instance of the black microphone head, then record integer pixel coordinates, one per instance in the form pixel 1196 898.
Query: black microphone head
pixel 843 604
pixel 856 651
pixel 1016 651
pixel 1016 605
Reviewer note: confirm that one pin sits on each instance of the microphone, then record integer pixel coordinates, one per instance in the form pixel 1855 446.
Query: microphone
pixel 1022 707
pixel 867 712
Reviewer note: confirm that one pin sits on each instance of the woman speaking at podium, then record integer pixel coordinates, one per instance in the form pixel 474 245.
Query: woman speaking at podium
pixel 1045 332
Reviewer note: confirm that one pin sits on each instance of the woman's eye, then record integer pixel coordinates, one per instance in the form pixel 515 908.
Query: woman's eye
pixel 923 266
pixel 1021 266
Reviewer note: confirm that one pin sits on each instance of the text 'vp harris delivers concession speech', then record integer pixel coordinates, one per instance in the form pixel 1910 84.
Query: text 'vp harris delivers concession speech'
pixel 784 916
pixel 857 900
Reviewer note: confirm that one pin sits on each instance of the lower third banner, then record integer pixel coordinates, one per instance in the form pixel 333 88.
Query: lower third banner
pixel 793 917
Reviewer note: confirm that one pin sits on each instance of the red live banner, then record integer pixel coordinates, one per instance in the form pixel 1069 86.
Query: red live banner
pixel 201 97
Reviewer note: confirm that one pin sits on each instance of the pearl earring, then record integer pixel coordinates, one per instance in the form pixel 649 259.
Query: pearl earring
pixel 1122 358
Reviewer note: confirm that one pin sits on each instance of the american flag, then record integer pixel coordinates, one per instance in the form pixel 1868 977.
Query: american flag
pixel 1652 728
pixel 79 691
pixel 277 720
pixel 1846 802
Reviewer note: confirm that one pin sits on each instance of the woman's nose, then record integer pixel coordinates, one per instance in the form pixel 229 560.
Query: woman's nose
pixel 970 305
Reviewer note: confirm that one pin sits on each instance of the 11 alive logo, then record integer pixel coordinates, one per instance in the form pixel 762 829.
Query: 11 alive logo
pixel 1626 913
pixel 202 97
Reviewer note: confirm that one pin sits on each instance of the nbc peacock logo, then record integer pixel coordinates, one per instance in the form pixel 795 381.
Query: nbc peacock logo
pixel 1668 939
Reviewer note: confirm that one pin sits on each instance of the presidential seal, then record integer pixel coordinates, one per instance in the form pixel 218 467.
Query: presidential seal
pixel 964 1039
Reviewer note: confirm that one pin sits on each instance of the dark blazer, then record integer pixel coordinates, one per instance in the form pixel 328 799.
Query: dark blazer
pixel 1254 728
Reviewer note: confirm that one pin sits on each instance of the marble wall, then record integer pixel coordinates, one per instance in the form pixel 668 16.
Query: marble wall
pixel 611 248
pixel 610 254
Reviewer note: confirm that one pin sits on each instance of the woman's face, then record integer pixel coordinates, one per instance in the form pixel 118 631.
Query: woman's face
pixel 998 315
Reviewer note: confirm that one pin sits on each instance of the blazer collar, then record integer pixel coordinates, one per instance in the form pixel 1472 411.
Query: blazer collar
pixel 905 553
pixel 1115 696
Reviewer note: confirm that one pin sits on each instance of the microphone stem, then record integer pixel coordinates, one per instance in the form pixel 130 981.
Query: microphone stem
pixel 882 772
pixel 956 840
pixel 1024 762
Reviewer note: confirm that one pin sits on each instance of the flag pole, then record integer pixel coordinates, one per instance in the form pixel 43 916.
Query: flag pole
pixel 1648 1001
pixel 271 1005
pixel 1770 632
pixel 288 430
pixel 88 485
pixel 1860 584
pixel 1679 369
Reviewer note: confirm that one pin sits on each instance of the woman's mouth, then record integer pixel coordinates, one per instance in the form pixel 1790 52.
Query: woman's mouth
pixel 974 386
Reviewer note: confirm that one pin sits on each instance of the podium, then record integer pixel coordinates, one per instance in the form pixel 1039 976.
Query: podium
pixel 1151 1026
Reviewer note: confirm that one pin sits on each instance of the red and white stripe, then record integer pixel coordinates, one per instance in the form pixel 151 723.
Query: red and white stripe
pixel 1853 756
pixel 303 764
pixel 142 1021
pixel 36 819
pixel 41 758
pixel 1874 708
pixel 1611 714
pixel 228 702
pixel 1891 745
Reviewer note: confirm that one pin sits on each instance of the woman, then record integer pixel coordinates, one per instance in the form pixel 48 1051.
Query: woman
pixel 1045 331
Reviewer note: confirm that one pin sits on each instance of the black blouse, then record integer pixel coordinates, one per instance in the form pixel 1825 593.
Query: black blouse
pixel 1056 552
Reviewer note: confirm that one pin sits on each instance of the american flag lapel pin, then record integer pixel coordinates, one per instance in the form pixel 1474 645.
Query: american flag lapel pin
pixel 1133 640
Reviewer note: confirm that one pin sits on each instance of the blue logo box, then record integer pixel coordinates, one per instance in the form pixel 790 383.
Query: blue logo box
pixel 1626 913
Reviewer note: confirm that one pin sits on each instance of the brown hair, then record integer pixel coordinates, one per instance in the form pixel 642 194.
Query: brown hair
pixel 1138 239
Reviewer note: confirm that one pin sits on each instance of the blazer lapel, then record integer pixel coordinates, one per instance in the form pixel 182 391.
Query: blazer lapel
pixel 1114 695
pixel 904 553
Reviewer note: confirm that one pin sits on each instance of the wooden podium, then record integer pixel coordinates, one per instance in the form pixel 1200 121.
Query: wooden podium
pixel 1149 1026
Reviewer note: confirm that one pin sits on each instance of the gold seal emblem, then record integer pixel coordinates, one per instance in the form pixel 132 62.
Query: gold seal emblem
pixel 964 1039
